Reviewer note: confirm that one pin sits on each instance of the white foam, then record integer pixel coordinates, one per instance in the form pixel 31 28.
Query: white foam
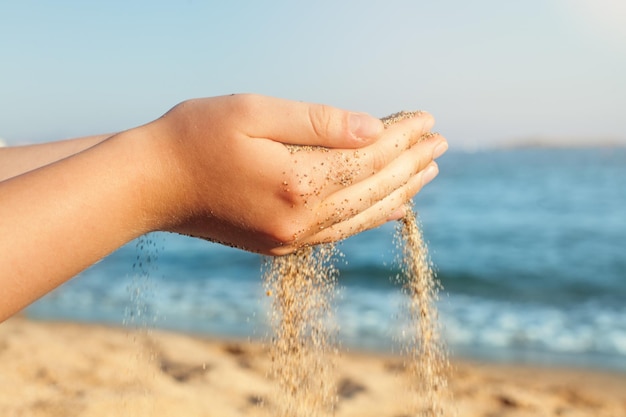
pixel 366 317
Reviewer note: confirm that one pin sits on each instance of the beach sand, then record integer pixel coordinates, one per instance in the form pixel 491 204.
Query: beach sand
pixel 68 369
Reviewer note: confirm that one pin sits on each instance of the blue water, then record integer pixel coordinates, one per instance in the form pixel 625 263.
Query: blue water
pixel 529 245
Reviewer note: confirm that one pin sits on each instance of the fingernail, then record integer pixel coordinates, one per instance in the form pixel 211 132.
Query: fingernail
pixel 364 127
pixel 430 173
pixel 440 149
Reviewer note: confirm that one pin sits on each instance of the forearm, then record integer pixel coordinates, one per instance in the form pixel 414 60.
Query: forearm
pixel 16 160
pixel 214 168
pixel 59 219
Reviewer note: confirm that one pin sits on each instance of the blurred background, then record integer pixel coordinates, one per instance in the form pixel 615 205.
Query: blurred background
pixel 525 222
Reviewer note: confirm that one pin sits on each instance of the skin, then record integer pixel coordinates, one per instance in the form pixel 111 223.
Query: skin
pixel 20 159
pixel 215 168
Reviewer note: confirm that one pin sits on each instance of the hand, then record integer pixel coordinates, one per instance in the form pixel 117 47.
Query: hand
pixel 229 177
pixel 215 168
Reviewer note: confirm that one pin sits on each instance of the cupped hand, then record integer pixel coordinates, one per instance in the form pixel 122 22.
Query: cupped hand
pixel 231 174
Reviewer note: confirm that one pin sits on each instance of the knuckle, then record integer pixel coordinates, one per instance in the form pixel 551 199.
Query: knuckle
pixel 299 190
pixel 322 120
pixel 421 159
pixel 291 220
pixel 379 160
pixel 245 103
pixel 413 186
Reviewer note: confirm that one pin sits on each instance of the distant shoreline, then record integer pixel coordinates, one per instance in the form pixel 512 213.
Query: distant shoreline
pixel 561 143
pixel 546 142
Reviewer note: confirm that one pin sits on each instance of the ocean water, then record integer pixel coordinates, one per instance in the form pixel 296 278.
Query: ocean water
pixel 529 245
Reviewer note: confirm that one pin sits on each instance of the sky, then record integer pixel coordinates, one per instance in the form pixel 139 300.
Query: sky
pixel 490 71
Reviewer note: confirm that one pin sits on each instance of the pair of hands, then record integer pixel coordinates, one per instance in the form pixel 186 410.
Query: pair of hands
pixel 223 169
pixel 234 181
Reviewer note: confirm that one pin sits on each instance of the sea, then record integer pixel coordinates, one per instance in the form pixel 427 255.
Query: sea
pixel 529 245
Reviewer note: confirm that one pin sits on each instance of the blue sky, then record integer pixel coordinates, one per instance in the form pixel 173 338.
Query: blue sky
pixel 489 70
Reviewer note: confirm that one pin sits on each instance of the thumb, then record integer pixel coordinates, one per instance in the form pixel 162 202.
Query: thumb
pixel 301 123
pixel 337 128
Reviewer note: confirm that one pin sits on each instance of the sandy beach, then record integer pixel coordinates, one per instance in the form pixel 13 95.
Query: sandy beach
pixel 68 369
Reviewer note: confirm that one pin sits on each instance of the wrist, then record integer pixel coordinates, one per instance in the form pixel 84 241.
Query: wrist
pixel 160 182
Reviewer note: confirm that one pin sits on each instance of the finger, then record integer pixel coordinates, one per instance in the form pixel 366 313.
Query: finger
pixel 396 139
pixel 348 201
pixel 392 207
pixel 350 166
pixel 332 170
pixel 299 123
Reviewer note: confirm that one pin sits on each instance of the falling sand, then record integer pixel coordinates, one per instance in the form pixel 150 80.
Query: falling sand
pixel 302 286
pixel 427 356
